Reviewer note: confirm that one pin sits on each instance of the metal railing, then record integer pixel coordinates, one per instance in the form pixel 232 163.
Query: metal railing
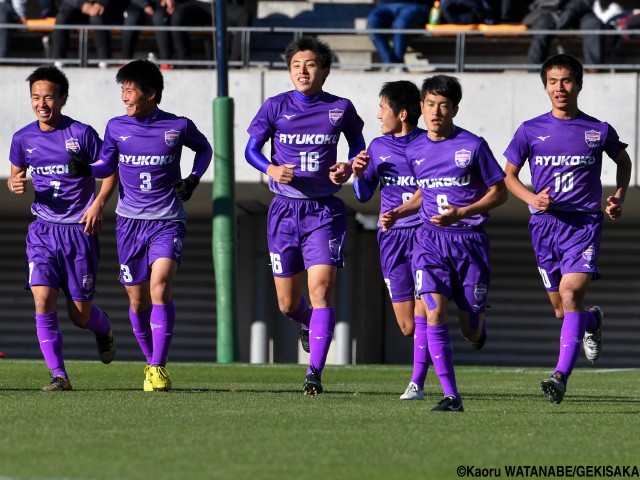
pixel 461 39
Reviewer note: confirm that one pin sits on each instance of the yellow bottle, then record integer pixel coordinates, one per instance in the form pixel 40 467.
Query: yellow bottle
pixel 435 16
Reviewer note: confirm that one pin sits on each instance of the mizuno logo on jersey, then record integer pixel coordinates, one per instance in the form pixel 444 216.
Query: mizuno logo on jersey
pixel 124 138
pixel 543 137
pixel 48 170
pixel 146 159
pixel 30 150
pixel 444 182
pixel 562 160
pixel 308 139
pixel 384 159
pixel 401 181
pixel 289 117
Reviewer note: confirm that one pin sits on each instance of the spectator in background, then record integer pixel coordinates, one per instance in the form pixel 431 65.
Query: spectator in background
pixel 465 12
pixel 198 13
pixel 407 14
pixel 563 15
pixel 137 13
pixel 13 11
pixel 102 12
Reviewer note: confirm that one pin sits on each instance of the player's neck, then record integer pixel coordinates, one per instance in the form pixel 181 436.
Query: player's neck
pixel 565 114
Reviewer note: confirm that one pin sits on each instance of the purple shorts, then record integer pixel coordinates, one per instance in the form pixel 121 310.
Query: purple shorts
pixel 142 242
pixel 565 243
pixel 302 233
pixel 396 246
pixel 63 257
pixel 453 262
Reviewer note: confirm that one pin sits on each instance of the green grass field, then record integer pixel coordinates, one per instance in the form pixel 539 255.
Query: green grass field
pixel 252 422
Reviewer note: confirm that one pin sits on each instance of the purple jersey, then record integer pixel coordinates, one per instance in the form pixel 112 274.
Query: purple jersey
pixel 454 171
pixel 304 131
pixel 565 155
pixel 388 166
pixel 59 198
pixel 147 152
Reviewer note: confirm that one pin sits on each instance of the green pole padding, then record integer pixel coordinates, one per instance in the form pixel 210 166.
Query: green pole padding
pixel 224 227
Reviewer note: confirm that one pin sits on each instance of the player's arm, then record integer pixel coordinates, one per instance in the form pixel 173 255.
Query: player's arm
pixel 197 142
pixel 341 172
pixel 363 187
pixel 496 195
pixel 17 181
pixel 408 208
pixel 623 177
pixel 92 217
pixel 540 201
pixel 255 158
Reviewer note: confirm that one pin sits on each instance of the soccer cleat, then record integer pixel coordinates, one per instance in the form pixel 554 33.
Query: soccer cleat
pixel 106 347
pixel 312 384
pixel 592 340
pixel 304 339
pixel 555 387
pixel 449 404
pixel 146 384
pixel 159 377
pixel 477 345
pixel 413 392
pixel 58 384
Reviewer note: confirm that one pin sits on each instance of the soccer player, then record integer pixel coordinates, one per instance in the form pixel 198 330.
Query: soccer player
pixel 384 163
pixel 564 148
pixel 146 145
pixel 62 243
pixel 459 181
pixel 306 223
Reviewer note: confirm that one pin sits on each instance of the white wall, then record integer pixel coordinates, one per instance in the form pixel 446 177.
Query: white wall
pixel 493 105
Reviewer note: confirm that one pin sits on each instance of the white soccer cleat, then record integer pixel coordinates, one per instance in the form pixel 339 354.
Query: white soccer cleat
pixel 413 392
pixel 592 340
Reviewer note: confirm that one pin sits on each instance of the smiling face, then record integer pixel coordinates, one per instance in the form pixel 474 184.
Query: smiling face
pixel 47 104
pixel 438 113
pixel 307 73
pixel 137 104
pixel 563 91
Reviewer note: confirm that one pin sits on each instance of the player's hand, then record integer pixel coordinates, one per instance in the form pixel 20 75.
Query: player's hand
pixel 542 200
pixel 281 173
pixel 450 216
pixel 614 207
pixel 340 172
pixel 18 183
pixel 184 188
pixel 92 220
pixel 77 167
pixel 359 164
pixel 388 219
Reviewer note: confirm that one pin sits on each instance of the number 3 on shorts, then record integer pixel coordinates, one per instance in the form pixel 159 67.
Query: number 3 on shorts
pixel 125 274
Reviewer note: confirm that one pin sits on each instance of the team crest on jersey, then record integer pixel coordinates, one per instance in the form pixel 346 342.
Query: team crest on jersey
pixel 72 144
pixel 171 137
pixel 335 116
pixel 177 244
pixel 480 292
pixel 589 253
pixel 592 138
pixel 463 158
pixel 87 282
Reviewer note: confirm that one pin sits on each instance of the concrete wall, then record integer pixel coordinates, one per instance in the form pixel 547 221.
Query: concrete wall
pixel 493 105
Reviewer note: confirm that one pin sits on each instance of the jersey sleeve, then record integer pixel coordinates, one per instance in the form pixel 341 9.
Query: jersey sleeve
pixel 518 150
pixel 196 141
pixel 262 127
pixel 613 146
pixel 489 170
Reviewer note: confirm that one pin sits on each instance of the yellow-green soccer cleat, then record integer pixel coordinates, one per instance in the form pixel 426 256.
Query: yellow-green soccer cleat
pixel 159 376
pixel 58 384
pixel 146 385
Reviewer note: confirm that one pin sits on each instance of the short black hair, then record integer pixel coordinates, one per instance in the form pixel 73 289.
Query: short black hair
pixel 563 60
pixel 145 74
pixel 320 48
pixel 444 85
pixel 403 94
pixel 52 74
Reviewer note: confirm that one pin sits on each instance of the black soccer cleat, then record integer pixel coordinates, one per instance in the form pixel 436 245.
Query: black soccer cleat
pixel 477 345
pixel 449 404
pixel 304 339
pixel 555 387
pixel 312 384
